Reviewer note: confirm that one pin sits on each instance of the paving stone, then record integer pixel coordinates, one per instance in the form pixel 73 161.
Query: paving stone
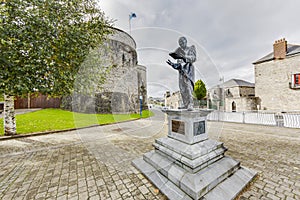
pixel 296 192
pixel 123 191
pixel 40 195
pixel 115 194
pixel 280 195
pixel 273 197
pixel 63 197
pixel 269 190
pixel 144 189
pixel 290 198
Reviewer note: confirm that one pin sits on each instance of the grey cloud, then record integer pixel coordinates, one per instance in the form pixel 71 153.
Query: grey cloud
pixel 230 35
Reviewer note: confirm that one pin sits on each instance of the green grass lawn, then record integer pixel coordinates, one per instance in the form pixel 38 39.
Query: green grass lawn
pixel 56 119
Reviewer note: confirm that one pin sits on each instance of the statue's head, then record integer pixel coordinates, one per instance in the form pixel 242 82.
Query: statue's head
pixel 182 42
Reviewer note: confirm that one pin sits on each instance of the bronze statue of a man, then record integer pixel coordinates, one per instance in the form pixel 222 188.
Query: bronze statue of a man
pixel 185 57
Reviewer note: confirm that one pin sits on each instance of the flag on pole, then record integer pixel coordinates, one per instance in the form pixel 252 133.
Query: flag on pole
pixel 132 15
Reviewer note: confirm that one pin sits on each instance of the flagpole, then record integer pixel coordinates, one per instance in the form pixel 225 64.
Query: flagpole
pixel 132 15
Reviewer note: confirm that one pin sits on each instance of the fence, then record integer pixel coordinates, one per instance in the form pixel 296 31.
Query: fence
pixel 291 120
pixel 37 101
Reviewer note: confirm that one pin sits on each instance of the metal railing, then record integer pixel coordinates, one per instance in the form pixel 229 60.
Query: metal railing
pixel 291 120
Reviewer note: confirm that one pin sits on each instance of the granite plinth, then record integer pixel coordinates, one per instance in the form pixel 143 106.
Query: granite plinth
pixel 190 151
pixel 187 126
pixel 189 168
pixel 190 157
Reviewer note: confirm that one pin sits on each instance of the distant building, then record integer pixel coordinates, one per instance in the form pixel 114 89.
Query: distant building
pixel 277 78
pixel 174 100
pixel 232 96
pixel 156 101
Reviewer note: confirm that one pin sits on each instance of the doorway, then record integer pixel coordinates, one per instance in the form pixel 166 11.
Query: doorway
pixel 233 106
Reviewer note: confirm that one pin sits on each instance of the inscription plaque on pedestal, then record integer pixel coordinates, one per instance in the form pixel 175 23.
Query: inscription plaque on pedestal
pixel 199 128
pixel 178 127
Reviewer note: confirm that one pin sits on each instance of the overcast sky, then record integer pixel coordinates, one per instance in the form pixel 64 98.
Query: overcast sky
pixel 229 35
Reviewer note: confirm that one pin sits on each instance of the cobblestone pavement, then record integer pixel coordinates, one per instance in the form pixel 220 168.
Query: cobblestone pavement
pixel 271 151
pixel 95 163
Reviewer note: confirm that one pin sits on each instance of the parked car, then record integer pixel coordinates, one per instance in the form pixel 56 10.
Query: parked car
pixel 165 108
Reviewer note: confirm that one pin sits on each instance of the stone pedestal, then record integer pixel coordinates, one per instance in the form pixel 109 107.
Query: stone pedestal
pixel 188 165
pixel 187 126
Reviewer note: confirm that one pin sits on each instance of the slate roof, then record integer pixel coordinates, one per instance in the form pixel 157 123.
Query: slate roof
pixel 238 82
pixel 291 50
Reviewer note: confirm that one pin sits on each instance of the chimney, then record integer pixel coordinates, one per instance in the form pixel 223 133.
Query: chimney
pixel 280 49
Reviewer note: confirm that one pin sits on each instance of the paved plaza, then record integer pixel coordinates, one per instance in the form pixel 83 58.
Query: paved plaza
pixel 95 163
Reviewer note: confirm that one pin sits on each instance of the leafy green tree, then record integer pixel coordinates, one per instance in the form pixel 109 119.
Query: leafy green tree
pixel 200 90
pixel 43 43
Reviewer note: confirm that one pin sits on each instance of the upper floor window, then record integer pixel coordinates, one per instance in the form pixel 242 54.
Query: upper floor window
pixel 228 93
pixel 295 83
pixel 297 79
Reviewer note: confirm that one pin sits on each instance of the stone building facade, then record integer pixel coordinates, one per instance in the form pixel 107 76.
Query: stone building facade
pixel 240 98
pixel 277 78
pixel 121 82
pixel 233 96
pixel 174 100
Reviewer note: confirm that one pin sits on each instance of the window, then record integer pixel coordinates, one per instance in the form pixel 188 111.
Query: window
pixel 295 83
pixel 297 79
pixel 228 93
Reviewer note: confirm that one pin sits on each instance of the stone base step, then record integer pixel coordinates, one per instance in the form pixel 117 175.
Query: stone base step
pixel 231 187
pixel 189 151
pixel 226 190
pixel 194 184
pixel 192 165
pixel 165 186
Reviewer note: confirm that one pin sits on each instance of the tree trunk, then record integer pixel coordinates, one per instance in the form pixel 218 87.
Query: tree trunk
pixel 9 115
pixel 28 100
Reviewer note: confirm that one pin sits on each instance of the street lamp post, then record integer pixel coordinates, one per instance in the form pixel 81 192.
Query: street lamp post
pixel 141 105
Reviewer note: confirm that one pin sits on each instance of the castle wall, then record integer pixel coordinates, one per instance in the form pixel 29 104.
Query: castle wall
pixel 121 83
pixel 118 78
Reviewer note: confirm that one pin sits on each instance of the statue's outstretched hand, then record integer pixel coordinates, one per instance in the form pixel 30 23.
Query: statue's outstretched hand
pixel 174 65
pixel 170 63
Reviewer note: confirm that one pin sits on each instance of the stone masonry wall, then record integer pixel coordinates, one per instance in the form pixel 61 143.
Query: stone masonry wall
pixel 120 91
pixel 240 95
pixel 123 73
pixel 174 101
pixel 242 104
pixel 234 92
pixel 122 37
pixel 246 91
pixel 272 84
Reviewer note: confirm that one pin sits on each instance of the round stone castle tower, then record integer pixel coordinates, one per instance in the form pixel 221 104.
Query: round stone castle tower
pixel 126 81
pixel 122 81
